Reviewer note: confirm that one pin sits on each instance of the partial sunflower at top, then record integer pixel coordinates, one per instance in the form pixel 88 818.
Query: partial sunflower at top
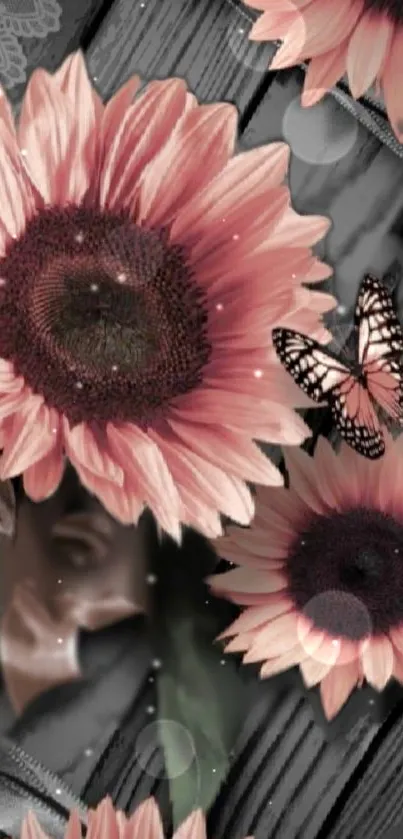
pixel 363 38
pixel 142 269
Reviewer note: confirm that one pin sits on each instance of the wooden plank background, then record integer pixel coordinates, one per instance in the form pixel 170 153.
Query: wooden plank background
pixel 337 167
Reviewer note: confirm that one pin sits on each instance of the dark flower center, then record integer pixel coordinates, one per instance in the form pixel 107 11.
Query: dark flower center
pixel 345 573
pixel 101 317
pixel 392 8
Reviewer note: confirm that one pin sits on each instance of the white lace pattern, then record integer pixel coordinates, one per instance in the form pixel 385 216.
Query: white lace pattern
pixel 23 19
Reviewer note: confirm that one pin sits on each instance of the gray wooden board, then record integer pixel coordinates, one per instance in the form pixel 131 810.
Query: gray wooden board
pixel 76 19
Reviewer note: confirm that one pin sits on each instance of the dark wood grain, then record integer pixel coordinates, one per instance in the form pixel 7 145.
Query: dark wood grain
pixel 200 40
pixel 76 22
pixel 360 187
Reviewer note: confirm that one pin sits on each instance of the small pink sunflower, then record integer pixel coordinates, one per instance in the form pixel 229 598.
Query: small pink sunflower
pixel 142 267
pixel 321 572
pixel 105 822
pixel 363 38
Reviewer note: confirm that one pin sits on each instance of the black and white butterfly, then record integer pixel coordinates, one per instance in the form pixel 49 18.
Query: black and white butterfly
pixel 353 391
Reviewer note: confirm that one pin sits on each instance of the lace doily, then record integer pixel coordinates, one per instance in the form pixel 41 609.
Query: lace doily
pixel 23 19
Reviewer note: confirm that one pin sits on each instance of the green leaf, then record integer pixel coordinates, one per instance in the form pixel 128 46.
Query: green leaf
pixel 204 698
pixel 201 701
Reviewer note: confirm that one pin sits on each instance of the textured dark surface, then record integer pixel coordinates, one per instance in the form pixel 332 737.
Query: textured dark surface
pixel 292 776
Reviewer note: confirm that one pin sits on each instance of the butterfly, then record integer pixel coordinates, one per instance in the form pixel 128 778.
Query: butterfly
pixel 353 391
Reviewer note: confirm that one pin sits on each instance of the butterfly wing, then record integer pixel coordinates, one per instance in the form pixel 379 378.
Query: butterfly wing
pixel 380 345
pixel 355 417
pixel 324 378
pixel 315 370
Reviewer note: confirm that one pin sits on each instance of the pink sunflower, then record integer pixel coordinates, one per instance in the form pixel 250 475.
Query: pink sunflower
pixel 142 267
pixel 321 573
pixel 105 823
pixel 363 38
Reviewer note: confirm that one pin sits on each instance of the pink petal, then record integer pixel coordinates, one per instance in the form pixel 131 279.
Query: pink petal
pixel 312 35
pixel 82 446
pixel 49 133
pixel 249 173
pixel 145 823
pixel 115 110
pixel 74 827
pixel 230 451
pixel 144 128
pixel 369 44
pixel 274 24
pixel 257 616
pixel 393 91
pixel 314 669
pixel 337 686
pixel 121 502
pixel 282 662
pixel 263 420
pixel 199 515
pixel 214 487
pixel 205 134
pixel 103 822
pixel 31 828
pixel 303 479
pixel 147 470
pixel 16 196
pixel 43 478
pixel 30 438
pixel 243 580
pixel 377 661
pixel 275 638
pixel 323 73
pixel 193 828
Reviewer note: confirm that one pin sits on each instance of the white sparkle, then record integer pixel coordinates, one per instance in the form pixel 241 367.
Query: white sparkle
pixel 294 276
pixel 59 582
pixel 150 709
pixel 2 281
pixel 79 237
pixel 157 663
pixel 258 374
pixel 115 368
pixel 214 770
pixel 396 550
pixel 235 237
pixel 219 307
pixel 223 661
pixel 79 385
pixel 60 640
pixel 151 579
pixel 241 31
pixel 89 752
pixel 121 277
pixel 94 287
pixel 54 430
pixel 24 152
pixel 336 642
pixel 58 791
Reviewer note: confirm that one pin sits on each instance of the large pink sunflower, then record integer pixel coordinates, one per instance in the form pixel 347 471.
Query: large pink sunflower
pixel 363 38
pixel 107 823
pixel 142 268
pixel 321 572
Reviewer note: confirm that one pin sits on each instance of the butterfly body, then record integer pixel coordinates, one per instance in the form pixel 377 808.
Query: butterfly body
pixel 354 389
